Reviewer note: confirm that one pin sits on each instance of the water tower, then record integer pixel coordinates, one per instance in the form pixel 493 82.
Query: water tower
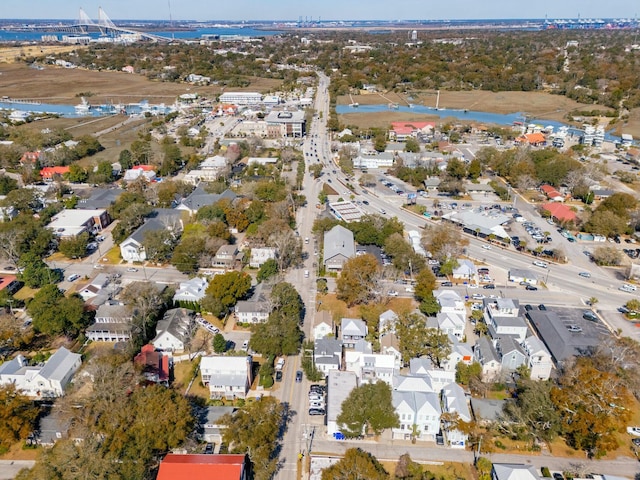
pixel 414 35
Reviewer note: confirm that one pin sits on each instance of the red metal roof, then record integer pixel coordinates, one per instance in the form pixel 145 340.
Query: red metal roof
pixel 560 211
pixel 6 280
pixel 201 467
pixel 49 172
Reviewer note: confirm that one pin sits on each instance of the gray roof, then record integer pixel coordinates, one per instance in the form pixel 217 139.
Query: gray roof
pixel 251 306
pixel 487 409
pixel 420 366
pixel 484 222
pixel 230 380
pixel 514 471
pixel 59 364
pixel 53 427
pixel 100 198
pixel 478 187
pixel 432 182
pixel 286 117
pixel 113 311
pixel 151 225
pixel 200 198
pixel 507 321
pixel 339 386
pixel 457 401
pixel 523 273
pixel 327 346
pixel 416 400
pixel 485 351
pixel 111 327
pixel 353 326
pixel 339 241
pixel 175 321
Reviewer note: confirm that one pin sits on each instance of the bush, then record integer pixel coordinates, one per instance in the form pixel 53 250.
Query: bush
pixel 266 381
pixel 545 472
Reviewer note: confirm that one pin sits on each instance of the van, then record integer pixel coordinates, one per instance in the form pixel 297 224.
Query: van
pixel 627 287
pixel 306 274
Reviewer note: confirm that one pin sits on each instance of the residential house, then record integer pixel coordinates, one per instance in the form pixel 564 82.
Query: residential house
pixel 48 381
pixel 132 249
pixel 52 427
pixel 140 171
pixel 454 401
pixel 192 290
pixel 339 386
pixel 49 174
pixel 532 139
pixel 538 358
pixel 201 466
pixel 460 352
pixel 438 377
pixel 502 316
pixel 209 427
pixel 352 330
pixel 371 367
pixel 112 324
pixel 201 198
pixel 431 184
pixel 227 377
pixel 511 353
pixel 466 270
pixel 450 302
pixel 97 286
pixel 401 131
pixel 174 331
pixel 323 325
pixel 449 323
pixel 155 366
pixel 551 193
pixel 513 471
pixel 339 247
pixel 327 354
pixel 387 322
pixel 518 275
pixel 100 198
pixel 228 257
pixel 419 414
pixel 252 311
pixel 390 345
pixel 412 383
pixel 259 256
pixel 486 355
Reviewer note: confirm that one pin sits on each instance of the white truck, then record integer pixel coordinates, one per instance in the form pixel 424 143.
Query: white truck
pixel 279 364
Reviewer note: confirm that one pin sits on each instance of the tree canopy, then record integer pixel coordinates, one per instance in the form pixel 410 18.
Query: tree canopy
pixel 367 409
pixel 358 279
pixel 54 313
pixel 355 465
pixel 225 290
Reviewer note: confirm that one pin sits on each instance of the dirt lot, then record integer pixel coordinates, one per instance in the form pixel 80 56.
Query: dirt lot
pixel 11 54
pixel 64 86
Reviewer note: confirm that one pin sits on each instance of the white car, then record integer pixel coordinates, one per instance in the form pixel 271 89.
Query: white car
pixel 73 278
pixel 393 293
pixel 478 296
pixel 541 264
pixel 486 247
pixel 634 431
pixel 132 269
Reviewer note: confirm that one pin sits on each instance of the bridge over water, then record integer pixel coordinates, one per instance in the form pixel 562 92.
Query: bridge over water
pixel 103 25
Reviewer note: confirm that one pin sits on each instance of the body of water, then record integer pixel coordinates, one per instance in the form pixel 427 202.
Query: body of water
pixel 502 119
pixel 94 110
pixel 12 36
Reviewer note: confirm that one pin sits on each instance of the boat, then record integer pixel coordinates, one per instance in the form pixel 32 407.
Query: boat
pixel 394 106
pixel 83 108
pixel 354 104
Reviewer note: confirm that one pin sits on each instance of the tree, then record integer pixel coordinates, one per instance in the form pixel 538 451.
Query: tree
pixel 125 159
pixel 55 314
pixel 417 340
pixel 425 284
pixel 254 430
pixel 411 145
pixel 444 241
pixel 219 343
pixel 430 306
pixel 74 247
pixel 17 416
pixel 407 469
pixel 267 270
pixel 456 169
pixel 146 304
pixel 35 273
pixel 358 279
pixel 593 405
pixel 77 174
pixel 355 465
pixel 607 256
pixel 7 184
pixel 225 290
pixel 158 245
pixel 475 169
pixel 465 374
pixel 368 409
pixel 186 255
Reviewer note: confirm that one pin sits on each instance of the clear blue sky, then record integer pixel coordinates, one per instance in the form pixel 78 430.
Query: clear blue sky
pixel 326 9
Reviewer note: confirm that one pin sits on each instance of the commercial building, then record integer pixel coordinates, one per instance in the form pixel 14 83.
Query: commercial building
pixel 286 124
pixel 70 223
pixel 241 98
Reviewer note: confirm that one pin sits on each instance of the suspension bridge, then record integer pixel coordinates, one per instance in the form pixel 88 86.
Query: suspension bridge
pixel 104 25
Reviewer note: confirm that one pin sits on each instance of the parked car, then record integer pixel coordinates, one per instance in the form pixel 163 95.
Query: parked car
pixel 316 411
pixel 73 278
pixel 531 287
pixel 279 376
pixel 634 431
pixel 589 315
pixel 557 476
pixel 636 441
pixel 299 376
pixel 528 307
pixel 245 345
pixel 542 306
pixel 574 328
pixel 208 449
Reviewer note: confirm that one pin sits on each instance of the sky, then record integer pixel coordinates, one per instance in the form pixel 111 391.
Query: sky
pixel 202 10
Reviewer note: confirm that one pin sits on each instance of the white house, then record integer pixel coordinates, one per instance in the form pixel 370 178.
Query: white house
pixel 486 355
pixel 112 324
pixel 419 415
pixel 380 160
pixel 352 330
pixel 460 352
pixel 371 367
pixel 174 330
pixel 192 290
pixel 538 358
pixel 327 354
pixel 260 255
pixel 466 270
pixel 448 322
pixel 226 377
pixel 339 386
pixel 387 322
pixel 450 301
pixel 438 377
pixel 323 325
pixel 132 248
pixel 455 402
pixel 48 381
pixel 252 311
pixel 412 383
pixel 502 316
pixel 513 471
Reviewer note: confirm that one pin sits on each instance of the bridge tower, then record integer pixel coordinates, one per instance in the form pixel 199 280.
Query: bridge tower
pixel 84 21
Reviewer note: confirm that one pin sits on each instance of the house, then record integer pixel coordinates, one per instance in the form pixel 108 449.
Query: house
pixel 466 270
pixel 401 131
pixel 454 401
pixel 100 198
pixel 538 358
pixel 412 383
pixel 49 174
pixel 519 275
pixel 8 212
pixel 252 311
pixel 192 290
pixel 371 367
pixel 438 377
pixel 390 345
pixel 227 377
pixel 71 223
pixel 227 258
pixel 551 193
pixel 9 283
pixel 450 302
pixel 201 198
pixel 511 353
pixel 155 365
pixel 37 382
pixel 52 427
pixel 327 354
pixel 431 184
pixel 487 411
pixel 352 330
pixel 374 160
pixel 112 324
pixel 502 316
pixel 97 286
pixel 387 322
pixel 30 158
pixel 486 355
pixel 513 471
pixel 259 256
pixel 132 249
pixel 209 427
pixel 174 331
pixel 323 325
pixel 200 467
pixel 140 171
pixel 339 386
pixel 339 247
pixel 448 322
pixel 560 212
pixel 419 414
pixel 460 352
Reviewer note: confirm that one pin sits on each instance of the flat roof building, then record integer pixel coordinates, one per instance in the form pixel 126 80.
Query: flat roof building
pixel 339 386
